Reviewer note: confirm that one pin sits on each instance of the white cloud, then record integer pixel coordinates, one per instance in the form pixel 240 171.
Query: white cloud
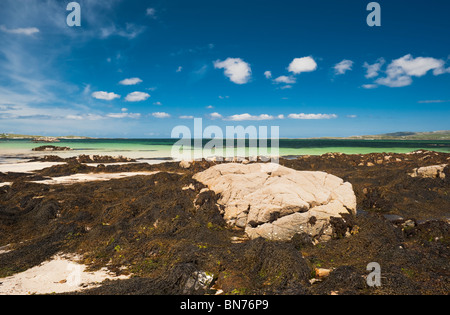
pixel 372 70
pixel 161 115
pixel 352 116
pixel 84 117
pixel 186 117
pixel 237 70
pixel 215 116
pixel 268 74
pixel 416 66
pixel 400 71
pixel 244 117
pixel 343 66
pixel 313 116
pixel 369 86
pixel 23 31
pixel 285 79
pixel 433 101
pixel 157 103
pixel 180 68
pixel 137 97
pixel 105 96
pixel 130 31
pixel 210 106
pixel 151 12
pixel 131 81
pixel 124 115
pixel 305 64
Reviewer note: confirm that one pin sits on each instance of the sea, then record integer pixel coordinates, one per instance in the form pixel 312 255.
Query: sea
pixel 153 149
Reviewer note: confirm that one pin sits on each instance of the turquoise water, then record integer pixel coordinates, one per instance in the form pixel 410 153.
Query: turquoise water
pixel 157 148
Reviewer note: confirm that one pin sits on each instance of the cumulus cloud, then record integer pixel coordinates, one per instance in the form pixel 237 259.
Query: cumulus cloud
pixel 215 116
pixel 101 95
pixel 131 81
pixel 312 116
pixel 137 97
pixel 22 31
pixel 374 69
pixel 400 71
pixel 237 70
pixel 268 74
pixel 343 66
pixel 244 117
pixel 186 117
pixel 285 79
pixel 161 115
pixel 305 64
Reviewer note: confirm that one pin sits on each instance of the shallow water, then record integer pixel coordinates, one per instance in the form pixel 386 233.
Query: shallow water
pixel 161 148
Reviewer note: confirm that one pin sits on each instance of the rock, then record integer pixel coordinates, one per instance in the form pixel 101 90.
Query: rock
pixel 199 280
pixel 434 171
pixel 185 164
pixel 276 202
pixel 370 164
pixel 191 187
pixel 322 273
pixel 409 224
pixel 51 148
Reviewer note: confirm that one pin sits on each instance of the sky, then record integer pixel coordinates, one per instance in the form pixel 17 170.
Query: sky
pixel 138 69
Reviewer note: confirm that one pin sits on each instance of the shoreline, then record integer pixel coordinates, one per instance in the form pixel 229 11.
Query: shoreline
pixel 150 221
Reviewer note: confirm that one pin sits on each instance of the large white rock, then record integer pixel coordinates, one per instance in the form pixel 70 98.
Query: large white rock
pixel 276 202
pixel 433 171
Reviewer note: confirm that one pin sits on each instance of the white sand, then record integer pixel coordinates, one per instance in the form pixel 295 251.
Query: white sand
pixel 26 167
pixel 61 274
pixel 83 178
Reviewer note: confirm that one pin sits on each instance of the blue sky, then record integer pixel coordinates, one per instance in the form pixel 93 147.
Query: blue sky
pixel 139 68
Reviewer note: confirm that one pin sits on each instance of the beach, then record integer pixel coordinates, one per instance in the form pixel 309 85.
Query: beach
pixel 153 226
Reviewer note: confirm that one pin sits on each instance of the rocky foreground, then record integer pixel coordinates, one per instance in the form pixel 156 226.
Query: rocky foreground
pixel 181 229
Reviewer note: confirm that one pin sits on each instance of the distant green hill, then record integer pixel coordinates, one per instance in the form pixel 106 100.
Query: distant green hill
pixel 433 135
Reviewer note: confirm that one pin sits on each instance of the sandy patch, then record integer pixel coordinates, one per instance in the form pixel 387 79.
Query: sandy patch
pixel 83 178
pixel 26 167
pixel 61 274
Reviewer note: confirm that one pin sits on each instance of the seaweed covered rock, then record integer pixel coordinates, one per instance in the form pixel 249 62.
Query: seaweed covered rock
pixel 434 171
pixel 49 148
pixel 275 202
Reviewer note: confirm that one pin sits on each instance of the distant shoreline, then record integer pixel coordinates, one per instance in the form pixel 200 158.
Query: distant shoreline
pixel 443 135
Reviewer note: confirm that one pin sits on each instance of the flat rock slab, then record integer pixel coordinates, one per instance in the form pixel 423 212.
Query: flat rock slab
pixel 276 202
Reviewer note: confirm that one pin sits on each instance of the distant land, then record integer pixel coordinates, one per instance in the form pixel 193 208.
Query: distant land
pixel 403 135
pixel 18 137
pixel 432 135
